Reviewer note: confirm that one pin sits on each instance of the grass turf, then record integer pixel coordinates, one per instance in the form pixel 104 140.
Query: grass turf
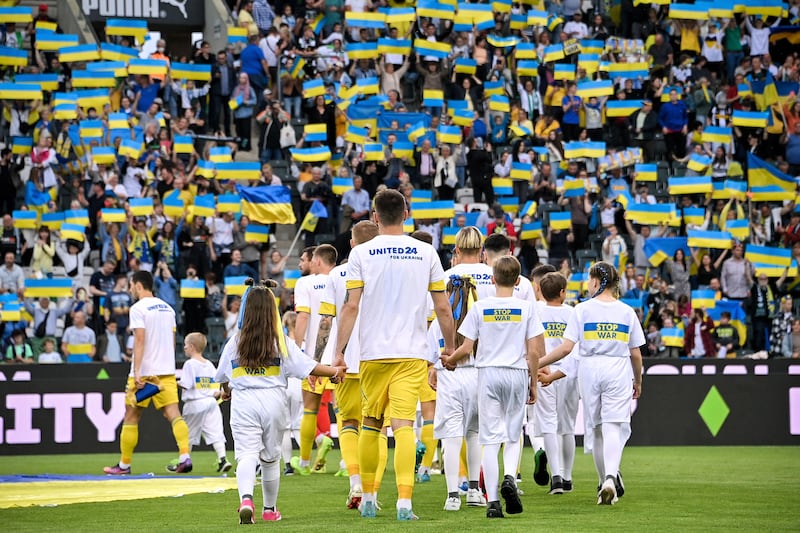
pixel 667 489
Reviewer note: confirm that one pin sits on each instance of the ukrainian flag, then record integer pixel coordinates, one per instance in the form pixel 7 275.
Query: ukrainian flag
pixel 659 249
pixel 96 98
pixel 74 54
pixel 694 215
pixel 528 209
pixel 205 169
pixel 73 231
pixel 183 144
pixel 589 62
pixel 239 170
pixel 237 35
pixel 717 134
pixel 141 207
pixel 449 135
pixel 720 240
pixel 649 213
pixel 416 131
pixel 21 91
pixel 503 186
pixel 494 88
pixel 536 17
pixel 499 103
pixel 316 212
pixel 365 19
pixel 624 198
pixel 11 312
pixel 574 188
pixel 408 225
pixel 501 6
pixel 290 278
pixel 78 217
pixel 510 204
pixel 521 171
pixel 193 288
pixel 394 46
pixel 698 163
pixel 236 102
pixel 520 131
pixel 449 235
pixel 419 196
pixel 578 149
pixel 91 128
pixel 532 230
pixel 115 52
pixel 148 67
pixel 356 135
pixel 313 88
pixel 529 68
pixel 762 174
pixel 771 193
pixel 130 148
pixel 672 337
pixel 113 215
pixel 340 186
pixel 318 23
pixel 766 8
pixel 127 27
pixel 750 119
pixel 229 203
pixel 403 149
pixel 432 48
pixel 173 205
pixel 25 219
pixel 399 15
pixel 48 288
pixel 466 66
pixel 706 298
pixel 578 282
pixel 433 9
pixel 220 154
pixel 267 205
pixel 768 255
pixel 554 52
pixel 774 271
pixel 589 46
pixel 623 108
pixel 12 57
pixel 518 21
pixel 315 132
pixel 48 82
pixel 525 51
pixel 646 172
pixel 461 117
pixel 50 41
pixel 362 50
pixel 790 33
pixel 187 71
pixel 434 210
pixel 21 145
pixel 234 285
pixel 432 98
pixel 298 67
pixel 17 15
pixel 118 121
pixel 256 233
pixel 93 79
pixel 53 220
pixel 688 11
pixel 738 316
pixel 560 219
pixel 368 85
pixel 739 229
pixel 690 185
pixel 502 42
pixel 628 70
pixel 595 88
pixel 318 154
pixel 65 112
pixel 204 206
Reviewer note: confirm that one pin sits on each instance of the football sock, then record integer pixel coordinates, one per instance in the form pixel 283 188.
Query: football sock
pixel 246 475
pixel 348 442
pixel 181 433
pixel 219 449
pixel 491 471
pixel 286 447
pixel 511 452
pixel 308 428
pixel 404 503
pixel 429 442
pixel 597 453
pixel 537 443
pixel 128 439
pixel 368 454
pixel 553 453
pixel 612 447
pixel 567 455
pixel 383 459
pixel 404 459
pixel 473 458
pixel 451 449
pixel 324 414
pixel 270 481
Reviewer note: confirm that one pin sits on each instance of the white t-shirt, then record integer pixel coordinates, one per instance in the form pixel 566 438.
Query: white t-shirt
pixel 308 293
pixel 605 328
pixel 502 326
pixel 296 365
pixel 50 358
pixel 396 272
pixel 480 273
pixel 335 295
pixel 197 379
pixel 157 319
pixel 554 321
pixel 221 232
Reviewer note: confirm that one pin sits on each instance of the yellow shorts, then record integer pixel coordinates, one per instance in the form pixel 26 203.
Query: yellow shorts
pixel 167 396
pixel 348 398
pixel 426 393
pixel 319 386
pixel 390 387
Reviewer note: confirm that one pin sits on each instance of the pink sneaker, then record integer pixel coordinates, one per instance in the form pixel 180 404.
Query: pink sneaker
pixel 246 512
pixel 117 470
pixel 271 516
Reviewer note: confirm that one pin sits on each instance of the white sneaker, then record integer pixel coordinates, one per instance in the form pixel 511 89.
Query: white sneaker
pixel 475 498
pixel 354 498
pixel 453 504
pixel 608 493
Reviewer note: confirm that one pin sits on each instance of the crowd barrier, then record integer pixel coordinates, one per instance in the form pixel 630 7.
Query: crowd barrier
pixel 48 409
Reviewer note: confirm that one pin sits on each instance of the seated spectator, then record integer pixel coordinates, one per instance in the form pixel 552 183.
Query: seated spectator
pixel 12 279
pixel 49 356
pixel 725 337
pixel 78 344
pixel 111 347
pixel 19 351
pixel 45 316
pixel 237 268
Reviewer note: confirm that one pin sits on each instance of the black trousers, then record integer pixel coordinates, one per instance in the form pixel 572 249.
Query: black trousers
pixel 219 106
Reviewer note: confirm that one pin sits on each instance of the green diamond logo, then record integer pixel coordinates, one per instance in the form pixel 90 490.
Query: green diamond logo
pixel 714 411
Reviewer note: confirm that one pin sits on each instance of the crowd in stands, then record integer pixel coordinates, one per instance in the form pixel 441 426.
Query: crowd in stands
pixel 660 138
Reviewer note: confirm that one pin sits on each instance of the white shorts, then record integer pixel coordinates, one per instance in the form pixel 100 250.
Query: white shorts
pixel 456 403
pixel 258 422
pixel 568 401
pixel 503 394
pixel 606 388
pixel 204 419
pixel 545 414
pixel 294 403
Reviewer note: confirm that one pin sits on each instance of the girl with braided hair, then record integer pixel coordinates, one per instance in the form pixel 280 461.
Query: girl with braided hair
pixel 608 335
pixel 253 370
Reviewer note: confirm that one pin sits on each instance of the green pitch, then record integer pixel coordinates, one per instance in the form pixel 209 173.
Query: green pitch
pixel 667 489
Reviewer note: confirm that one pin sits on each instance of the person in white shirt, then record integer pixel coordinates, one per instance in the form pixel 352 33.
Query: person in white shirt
pixel 49 356
pixel 609 336
pixel 507 359
pixel 613 245
pixel 357 199
pixel 576 28
pixel 253 372
pixel 152 321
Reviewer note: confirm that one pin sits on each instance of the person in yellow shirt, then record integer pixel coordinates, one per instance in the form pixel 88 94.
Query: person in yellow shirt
pixel 544 126
pixel 690 36
pixel 246 19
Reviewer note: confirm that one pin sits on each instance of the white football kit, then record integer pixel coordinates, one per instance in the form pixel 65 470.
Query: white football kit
pixel 200 408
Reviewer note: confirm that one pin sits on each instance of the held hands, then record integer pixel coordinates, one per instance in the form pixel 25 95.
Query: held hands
pixel 447 362
pixel 339 376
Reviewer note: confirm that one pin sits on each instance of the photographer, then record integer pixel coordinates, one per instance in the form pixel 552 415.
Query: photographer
pixel 272 119
pixel 479 169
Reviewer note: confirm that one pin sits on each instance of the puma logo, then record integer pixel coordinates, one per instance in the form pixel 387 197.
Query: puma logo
pixel 177 4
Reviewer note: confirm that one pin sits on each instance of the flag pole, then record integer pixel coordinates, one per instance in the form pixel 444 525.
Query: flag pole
pixel 294 243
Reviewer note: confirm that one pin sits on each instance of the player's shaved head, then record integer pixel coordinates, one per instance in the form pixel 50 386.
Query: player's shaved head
pixel 390 207
pixel 327 254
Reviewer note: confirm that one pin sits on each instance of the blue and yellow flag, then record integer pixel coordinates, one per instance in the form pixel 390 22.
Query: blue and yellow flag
pixel 521 171
pixel 704 298
pixel 739 229
pixel 190 71
pixel 362 50
pixel 650 213
pixel 21 91
pixel 622 108
pixel 80 53
pixel 113 215
pixel 695 216
pixel 16 14
pixel 51 41
pixel 115 52
pixel 141 207
pixel 204 206
pixel 48 82
pixel 717 134
pixel 256 233
pixel 646 172
pixel 365 19
pixel 449 134
pixel 690 185
pixel 432 48
pixel 762 174
pixel 532 230
pixel 149 67
pixel 53 220
pixel 290 278
pixel 768 255
pixel 433 210
pixel 21 145
pixel 317 154
pixel 750 119
pixel 394 46
pixel 78 217
pixel 25 219
pixel 48 288
pixel 311 219
pixel 229 203
pixel 193 288
pixel 11 311
pixel 528 67
pixel 659 249
pixel 235 285
pixel 719 240
pixel 127 28
pixel 595 88
pixel 560 220
pixel 576 149
pixel 13 57
pixel 672 337
pixel 267 205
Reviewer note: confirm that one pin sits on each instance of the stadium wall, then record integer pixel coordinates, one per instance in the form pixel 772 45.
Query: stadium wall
pixel 78 408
